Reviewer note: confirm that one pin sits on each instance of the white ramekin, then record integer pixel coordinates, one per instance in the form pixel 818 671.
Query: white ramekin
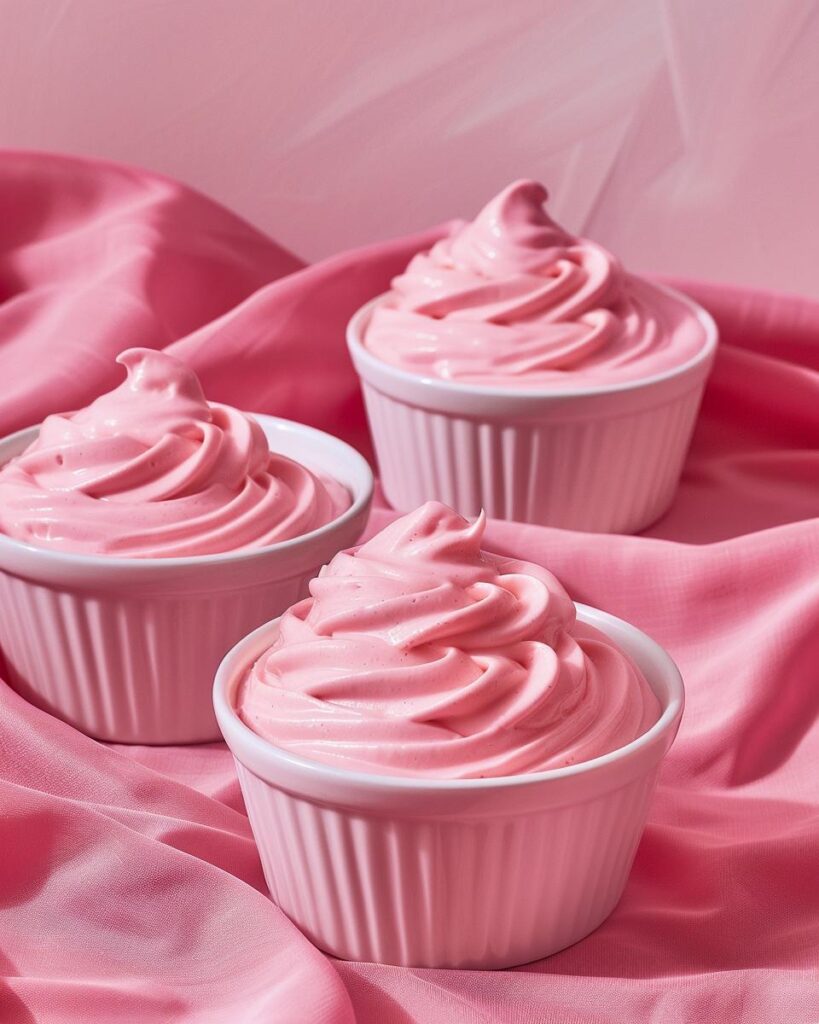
pixel 601 459
pixel 481 873
pixel 125 649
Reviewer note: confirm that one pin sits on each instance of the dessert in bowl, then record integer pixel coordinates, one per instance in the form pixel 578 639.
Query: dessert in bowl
pixel 142 536
pixel 517 368
pixel 446 762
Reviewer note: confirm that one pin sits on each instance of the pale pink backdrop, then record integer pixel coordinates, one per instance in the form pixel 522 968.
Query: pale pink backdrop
pixel 681 133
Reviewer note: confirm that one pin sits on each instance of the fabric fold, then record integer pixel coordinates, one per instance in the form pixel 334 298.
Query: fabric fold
pixel 130 887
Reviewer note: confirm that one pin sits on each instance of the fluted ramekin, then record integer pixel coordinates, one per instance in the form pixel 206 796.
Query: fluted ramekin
pixel 600 459
pixel 480 873
pixel 125 649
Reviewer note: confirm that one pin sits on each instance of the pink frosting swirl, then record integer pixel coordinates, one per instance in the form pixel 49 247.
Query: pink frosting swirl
pixel 512 299
pixel 420 654
pixel 152 469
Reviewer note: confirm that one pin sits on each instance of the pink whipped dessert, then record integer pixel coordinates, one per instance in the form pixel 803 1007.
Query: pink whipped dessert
pixel 152 469
pixel 511 299
pixel 420 654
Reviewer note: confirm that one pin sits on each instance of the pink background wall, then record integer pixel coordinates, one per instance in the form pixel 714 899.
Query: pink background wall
pixel 681 133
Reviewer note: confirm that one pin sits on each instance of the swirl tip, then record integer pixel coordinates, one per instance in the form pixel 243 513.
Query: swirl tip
pixel 154 369
pixel 132 357
pixel 522 198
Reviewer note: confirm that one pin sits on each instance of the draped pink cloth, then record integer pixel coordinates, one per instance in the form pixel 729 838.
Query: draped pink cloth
pixel 130 888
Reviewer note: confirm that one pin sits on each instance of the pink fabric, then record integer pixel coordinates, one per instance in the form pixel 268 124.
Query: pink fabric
pixel 129 884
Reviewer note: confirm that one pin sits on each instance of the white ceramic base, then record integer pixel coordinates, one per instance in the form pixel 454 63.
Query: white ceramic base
pixel 481 873
pixel 126 649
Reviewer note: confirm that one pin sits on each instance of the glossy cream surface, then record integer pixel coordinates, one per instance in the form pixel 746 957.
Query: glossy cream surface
pixel 513 300
pixel 152 469
pixel 421 654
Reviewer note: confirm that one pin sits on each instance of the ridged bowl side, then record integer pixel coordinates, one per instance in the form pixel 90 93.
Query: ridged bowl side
pixel 443 892
pixel 607 474
pixel 128 668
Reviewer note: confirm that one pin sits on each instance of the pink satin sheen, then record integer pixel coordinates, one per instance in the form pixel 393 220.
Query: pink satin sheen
pixel 130 886
pixel 152 469
pixel 420 654
pixel 511 299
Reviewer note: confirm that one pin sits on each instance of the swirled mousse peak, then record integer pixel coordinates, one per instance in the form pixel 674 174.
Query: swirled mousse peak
pixel 152 469
pixel 511 299
pixel 421 654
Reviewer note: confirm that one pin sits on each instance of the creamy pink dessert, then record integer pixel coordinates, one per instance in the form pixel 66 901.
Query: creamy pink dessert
pixel 511 299
pixel 420 654
pixel 152 469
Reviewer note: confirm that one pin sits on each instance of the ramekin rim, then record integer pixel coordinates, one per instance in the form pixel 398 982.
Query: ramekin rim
pixel 156 563
pixel 436 385
pixel 370 781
